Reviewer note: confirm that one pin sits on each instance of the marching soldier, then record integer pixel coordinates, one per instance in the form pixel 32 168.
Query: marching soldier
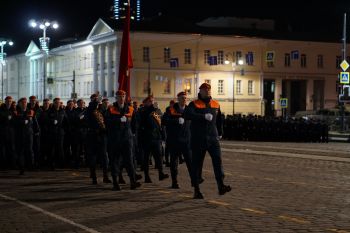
pixel 96 144
pixel 206 131
pixel 69 134
pixel 44 124
pixel 34 105
pixel 120 141
pixel 57 125
pixel 7 133
pixel 166 149
pixel 79 132
pixel 152 136
pixel 26 126
pixel 178 137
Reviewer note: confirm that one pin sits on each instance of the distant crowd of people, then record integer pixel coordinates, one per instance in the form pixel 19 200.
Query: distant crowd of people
pixel 275 129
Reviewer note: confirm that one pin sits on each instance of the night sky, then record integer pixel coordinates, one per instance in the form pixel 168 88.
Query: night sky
pixel 77 17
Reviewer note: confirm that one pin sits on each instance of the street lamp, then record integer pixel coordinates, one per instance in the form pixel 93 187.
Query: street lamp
pixel 233 64
pixel 3 42
pixel 44 43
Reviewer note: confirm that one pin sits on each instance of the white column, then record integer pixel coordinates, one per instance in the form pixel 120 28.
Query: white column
pixel 95 68
pixel 309 94
pixel 278 92
pixel 109 69
pixel 31 79
pixel 36 79
pixel 102 87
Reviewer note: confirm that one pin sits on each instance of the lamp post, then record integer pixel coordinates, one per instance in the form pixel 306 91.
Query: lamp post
pixel 3 42
pixel 233 64
pixel 44 43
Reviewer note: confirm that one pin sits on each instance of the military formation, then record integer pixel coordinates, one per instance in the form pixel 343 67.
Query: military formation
pixel 275 129
pixel 114 136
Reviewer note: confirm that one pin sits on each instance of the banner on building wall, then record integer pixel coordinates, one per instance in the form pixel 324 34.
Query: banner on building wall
pixel 270 56
pixel 295 54
pixel 249 58
pixel 213 60
pixel 174 62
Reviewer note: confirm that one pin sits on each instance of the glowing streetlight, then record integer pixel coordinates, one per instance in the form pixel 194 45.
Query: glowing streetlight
pixel 44 41
pixel 3 42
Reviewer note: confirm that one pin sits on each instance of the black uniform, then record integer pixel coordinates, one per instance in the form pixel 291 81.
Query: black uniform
pixel 36 136
pixel 120 142
pixel 205 136
pixel 152 136
pixel 57 126
pixel 7 134
pixel 95 147
pixel 79 129
pixel 26 126
pixel 44 123
pixel 178 140
pixel 69 145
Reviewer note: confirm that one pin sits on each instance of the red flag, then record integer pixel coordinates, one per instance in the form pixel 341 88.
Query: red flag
pixel 125 63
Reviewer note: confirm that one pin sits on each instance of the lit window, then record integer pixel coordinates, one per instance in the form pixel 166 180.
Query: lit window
pixel 187 86
pixel 206 56
pixel 287 60
pixel 303 60
pixel 238 87
pixel 250 87
pixel 167 55
pixel 238 57
pixel 167 86
pixel 220 57
pixel 188 59
pixel 319 61
pixel 221 87
pixel 146 54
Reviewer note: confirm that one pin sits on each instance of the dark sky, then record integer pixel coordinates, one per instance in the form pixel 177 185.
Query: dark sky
pixel 77 17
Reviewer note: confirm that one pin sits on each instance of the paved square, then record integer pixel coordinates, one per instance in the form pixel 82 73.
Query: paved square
pixel 277 187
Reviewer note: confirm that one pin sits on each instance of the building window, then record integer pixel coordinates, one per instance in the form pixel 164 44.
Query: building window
pixel 146 54
pixel 238 57
pixel 145 86
pixel 188 59
pixel 208 81
pixel 167 86
pixel 206 56
pixel 250 87
pixel 303 60
pixel 319 61
pixel 220 87
pixel 238 87
pixel 286 60
pixel 220 57
pixel 187 86
pixel 167 55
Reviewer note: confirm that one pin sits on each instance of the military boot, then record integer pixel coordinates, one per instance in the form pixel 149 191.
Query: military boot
pixel 174 184
pixel 121 179
pixel 163 176
pixel 93 175
pixel 106 179
pixel 197 194
pixel 116 186
pixel 134 184
pixel 224 189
